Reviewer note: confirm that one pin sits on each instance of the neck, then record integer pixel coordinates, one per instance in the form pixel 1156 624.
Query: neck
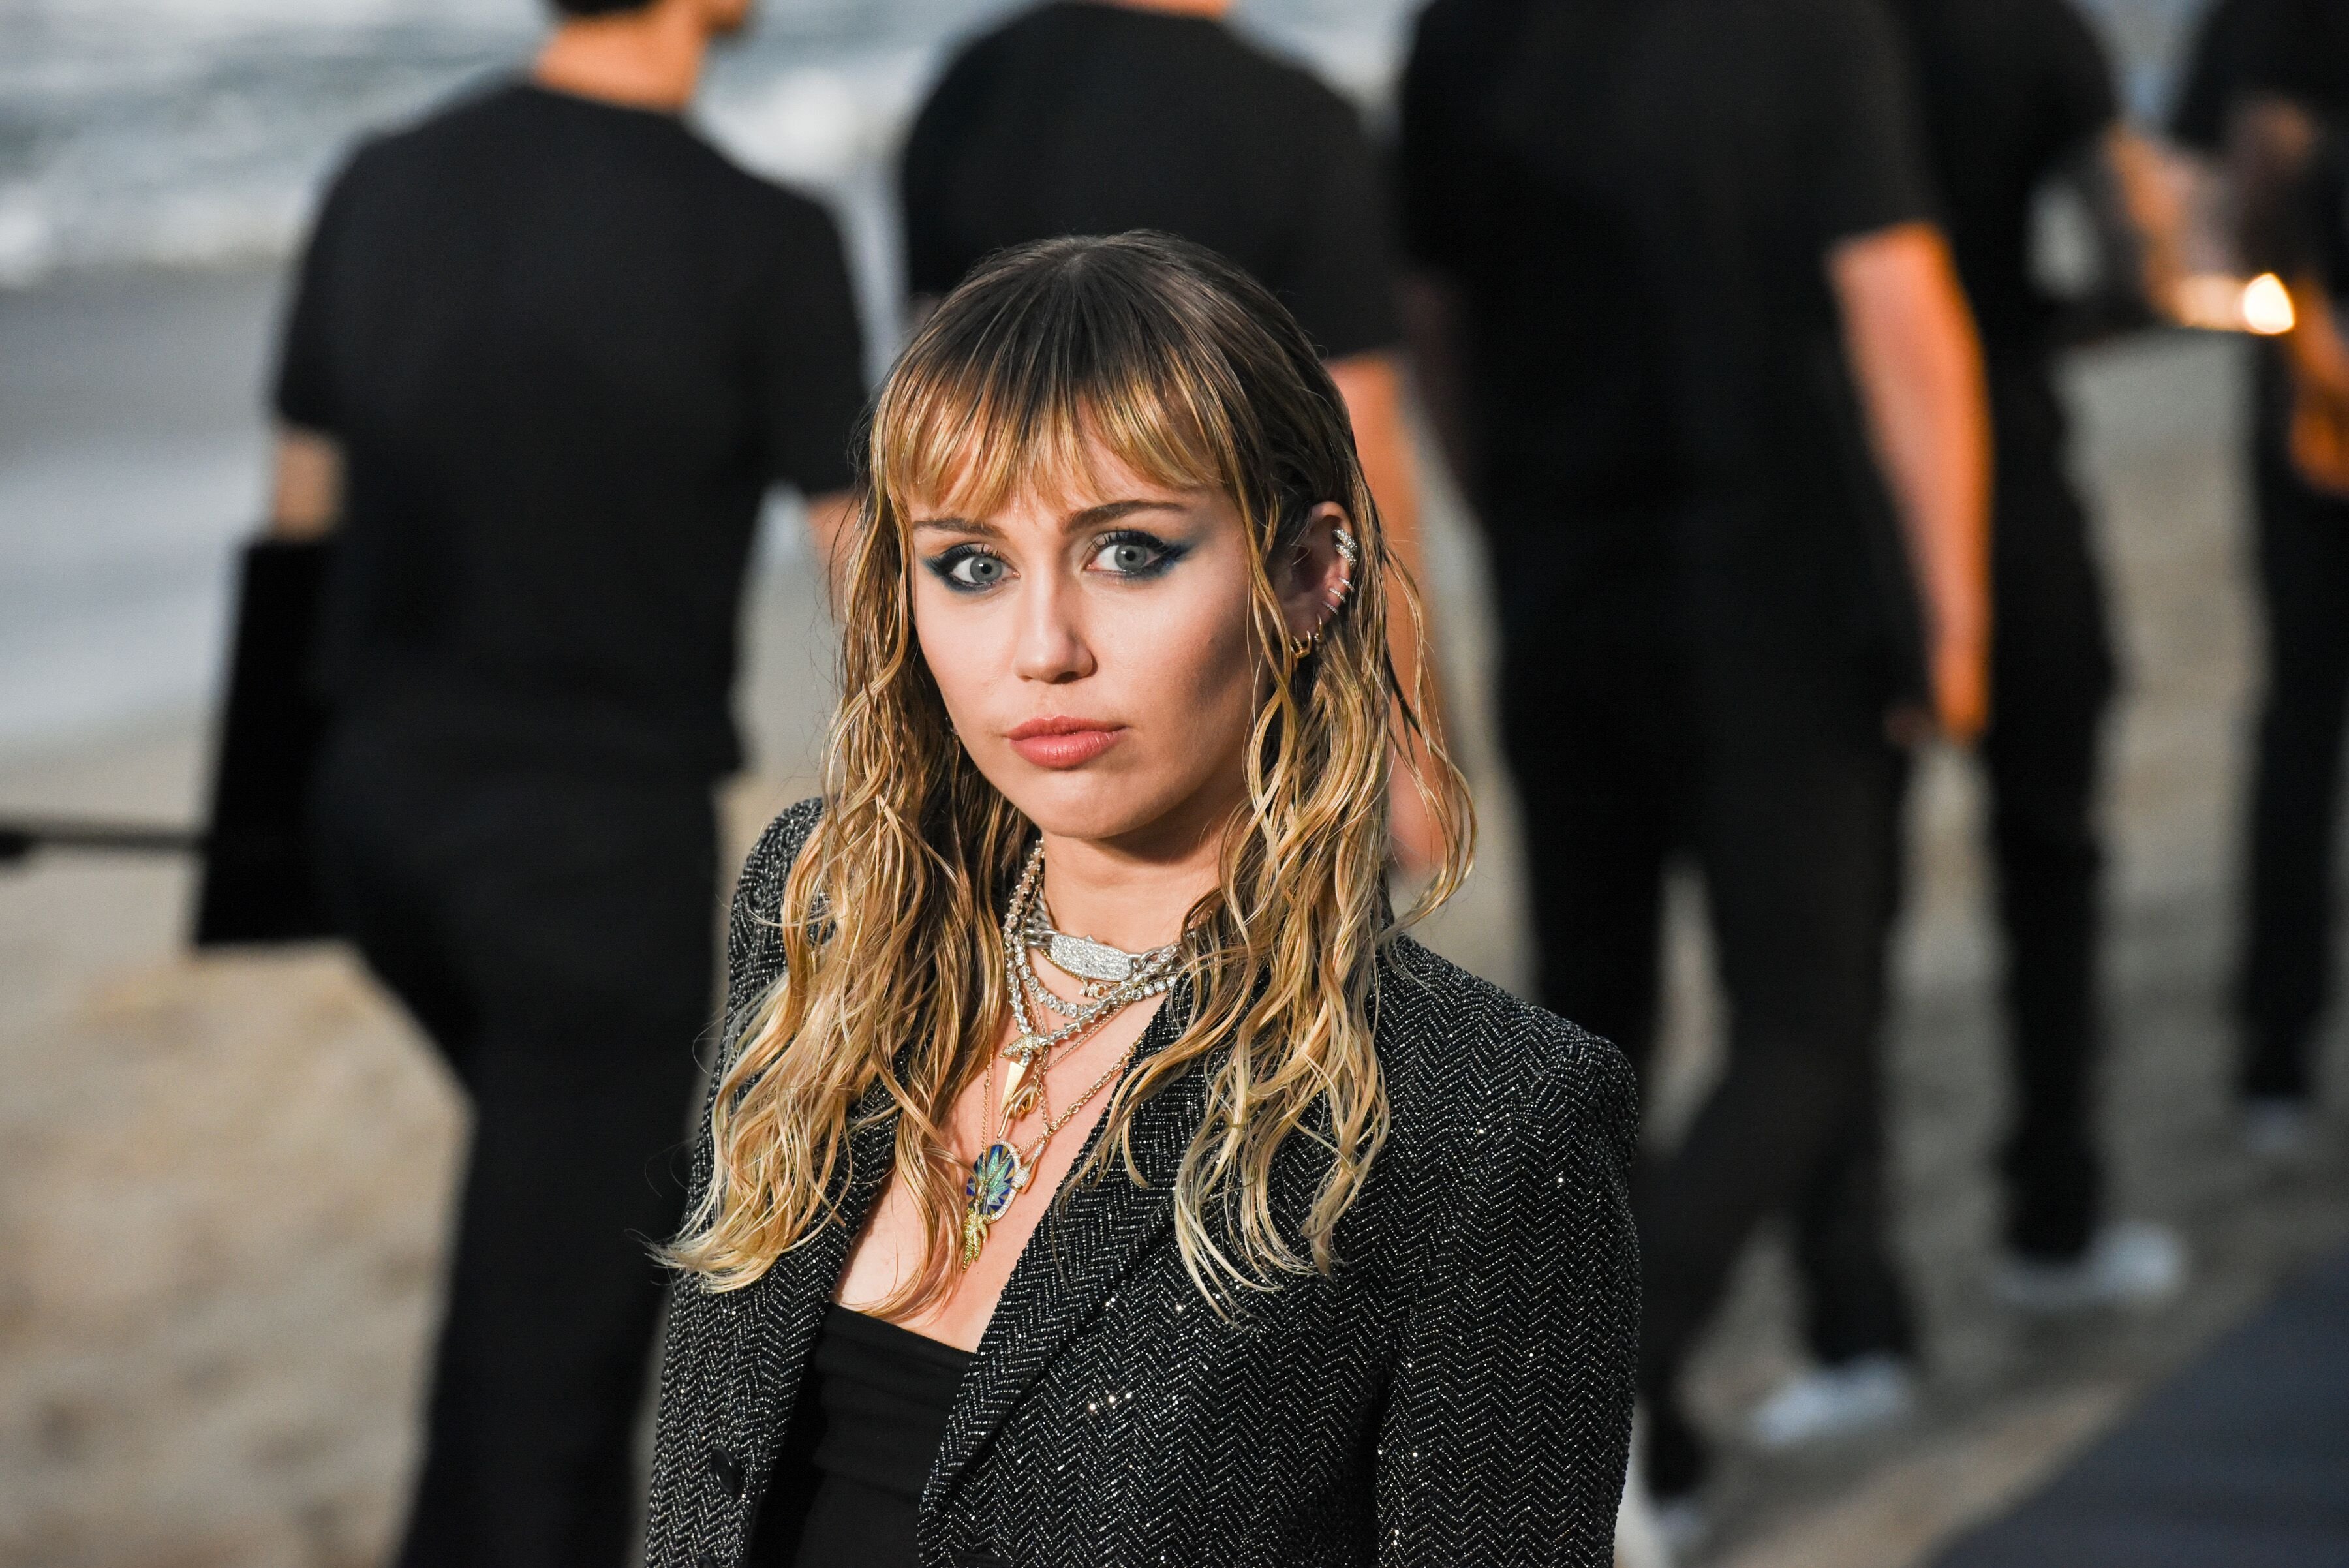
pixel 649 58
pixel 1128 895
pixel 1179 7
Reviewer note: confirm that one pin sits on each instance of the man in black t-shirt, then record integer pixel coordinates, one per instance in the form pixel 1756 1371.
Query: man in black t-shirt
pixel 1096 117
pixel 1678 273
pixel 547 352
pixel 2017 96
pixel 2284 67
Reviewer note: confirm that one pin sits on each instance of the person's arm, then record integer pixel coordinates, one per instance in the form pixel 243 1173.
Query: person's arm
pixel 306 498
pixel 2272 153
pixel 1914 356
pixel 1507 1423
pixel 812 358
pixel 1434 324
pixel 831 523
pixel 2138 221
pixel 305 489
pixel 1372 385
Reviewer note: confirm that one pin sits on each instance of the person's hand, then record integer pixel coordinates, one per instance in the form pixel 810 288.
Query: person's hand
pixel 1961 705
pixel 2320 441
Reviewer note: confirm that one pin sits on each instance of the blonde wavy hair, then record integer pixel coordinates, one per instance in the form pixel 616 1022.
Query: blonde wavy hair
pixel 1190 373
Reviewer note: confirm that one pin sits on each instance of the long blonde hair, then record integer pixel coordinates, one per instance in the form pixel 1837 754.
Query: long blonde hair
pixel 1191 374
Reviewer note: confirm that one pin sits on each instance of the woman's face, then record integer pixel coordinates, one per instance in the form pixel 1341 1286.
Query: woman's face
pixel 1094 650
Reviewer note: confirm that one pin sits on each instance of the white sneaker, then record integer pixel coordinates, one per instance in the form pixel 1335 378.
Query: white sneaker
pixel 1860 1395
pixel 2277 1129
pixel 2129 1263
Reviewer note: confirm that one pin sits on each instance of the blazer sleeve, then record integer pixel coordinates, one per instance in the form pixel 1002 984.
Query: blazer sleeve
pixel 754 952
pixel 701 1343
pixel 1508 1425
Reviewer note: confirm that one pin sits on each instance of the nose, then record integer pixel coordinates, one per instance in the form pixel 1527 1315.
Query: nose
pixel 1052 646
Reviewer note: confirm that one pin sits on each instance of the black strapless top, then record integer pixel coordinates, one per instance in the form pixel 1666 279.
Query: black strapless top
pixel 882 1394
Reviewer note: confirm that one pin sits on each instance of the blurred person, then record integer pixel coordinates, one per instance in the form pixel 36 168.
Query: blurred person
pixel 1098 117
pixel 2017 96
pixel 2280 76
pixel 548 350
pixel 1699 352
pixel 1244 1230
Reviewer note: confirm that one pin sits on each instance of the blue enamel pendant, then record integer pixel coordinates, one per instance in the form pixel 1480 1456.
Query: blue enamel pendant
pixel 996 1177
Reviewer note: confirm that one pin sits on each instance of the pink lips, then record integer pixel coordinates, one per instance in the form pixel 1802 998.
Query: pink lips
pixel 1063 743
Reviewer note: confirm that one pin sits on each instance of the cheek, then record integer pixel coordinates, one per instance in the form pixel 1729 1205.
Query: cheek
pixel 1190 658
pixel 960 650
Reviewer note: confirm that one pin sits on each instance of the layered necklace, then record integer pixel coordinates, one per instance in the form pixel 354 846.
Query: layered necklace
pixel 1112 980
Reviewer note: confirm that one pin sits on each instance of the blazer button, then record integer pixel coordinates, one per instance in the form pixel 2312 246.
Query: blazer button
pixel 706 1559
pixel 726 1470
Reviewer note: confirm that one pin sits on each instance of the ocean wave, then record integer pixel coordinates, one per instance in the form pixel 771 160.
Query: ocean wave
pixel 198 132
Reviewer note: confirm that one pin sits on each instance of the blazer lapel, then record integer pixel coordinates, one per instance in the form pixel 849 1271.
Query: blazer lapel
pixel 1093 1234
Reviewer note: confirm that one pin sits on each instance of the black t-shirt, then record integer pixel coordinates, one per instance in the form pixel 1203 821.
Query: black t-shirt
pixel 2010 91
pixel 565 348
pixel 1088 119
pixel 1637 198
pixel 2300 49
pixel 2212 79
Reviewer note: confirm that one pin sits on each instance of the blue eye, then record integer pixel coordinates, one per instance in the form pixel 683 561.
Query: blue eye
pixel 968 569
pixel 1134 555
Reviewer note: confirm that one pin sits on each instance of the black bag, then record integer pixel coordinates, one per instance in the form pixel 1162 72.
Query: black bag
pixel 258 882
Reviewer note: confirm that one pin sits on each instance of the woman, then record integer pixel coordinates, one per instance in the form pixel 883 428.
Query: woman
pixel 1097 1177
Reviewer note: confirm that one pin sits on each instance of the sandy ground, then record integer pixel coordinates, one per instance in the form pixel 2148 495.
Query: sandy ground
pixel 222 1180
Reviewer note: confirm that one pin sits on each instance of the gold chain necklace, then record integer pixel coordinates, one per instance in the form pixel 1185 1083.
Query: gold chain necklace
pixel 1003 1169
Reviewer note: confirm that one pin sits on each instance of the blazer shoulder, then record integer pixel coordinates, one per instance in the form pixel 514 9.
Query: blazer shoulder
pixel 1457 1049
pixel 778 850
pixel 754 948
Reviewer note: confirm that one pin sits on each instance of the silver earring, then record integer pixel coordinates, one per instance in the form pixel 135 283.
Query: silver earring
pixel 1351 554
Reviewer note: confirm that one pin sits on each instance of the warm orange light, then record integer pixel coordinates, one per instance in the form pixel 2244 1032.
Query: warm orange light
pixel 2217 302
pixel 2267 305
pixel 2210 300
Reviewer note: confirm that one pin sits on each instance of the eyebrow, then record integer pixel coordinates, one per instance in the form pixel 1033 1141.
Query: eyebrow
pixel 1076 522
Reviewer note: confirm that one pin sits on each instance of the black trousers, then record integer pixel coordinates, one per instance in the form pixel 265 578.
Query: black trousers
pixel 2052 679
pixel 1622 753
pixel 2284 979
pixel 549 921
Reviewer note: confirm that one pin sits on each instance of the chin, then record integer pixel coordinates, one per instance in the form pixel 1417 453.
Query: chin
pixel 1097 807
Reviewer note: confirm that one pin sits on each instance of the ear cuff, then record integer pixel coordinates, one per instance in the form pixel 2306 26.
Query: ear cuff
pixel 1351 554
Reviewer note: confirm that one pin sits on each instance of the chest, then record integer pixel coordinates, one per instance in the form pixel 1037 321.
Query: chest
pixel 1153 1429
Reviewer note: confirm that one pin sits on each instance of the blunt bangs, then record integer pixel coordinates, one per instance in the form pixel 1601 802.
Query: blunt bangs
pixel 1027 375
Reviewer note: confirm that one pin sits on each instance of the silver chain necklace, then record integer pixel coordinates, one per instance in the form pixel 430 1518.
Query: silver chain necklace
pixel 1003 1169
pixel 1142 975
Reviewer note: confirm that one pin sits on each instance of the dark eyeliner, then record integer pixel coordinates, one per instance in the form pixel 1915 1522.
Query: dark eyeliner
pixel 942 567
pixel 1167 552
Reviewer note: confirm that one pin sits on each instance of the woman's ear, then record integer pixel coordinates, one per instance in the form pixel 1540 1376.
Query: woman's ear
pixel 1315 573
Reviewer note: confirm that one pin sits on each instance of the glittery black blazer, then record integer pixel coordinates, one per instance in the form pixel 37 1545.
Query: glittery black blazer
pixel 1458 1392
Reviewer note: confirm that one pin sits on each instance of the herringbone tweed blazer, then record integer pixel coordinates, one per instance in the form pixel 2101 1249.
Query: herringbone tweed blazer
pixel 1458 1392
